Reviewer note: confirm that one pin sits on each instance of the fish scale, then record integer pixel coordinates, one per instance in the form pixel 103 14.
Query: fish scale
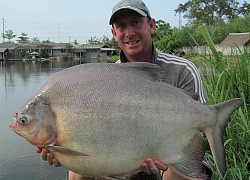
pixel 108 118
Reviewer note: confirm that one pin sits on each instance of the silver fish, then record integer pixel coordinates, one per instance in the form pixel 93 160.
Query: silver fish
pixel 103 120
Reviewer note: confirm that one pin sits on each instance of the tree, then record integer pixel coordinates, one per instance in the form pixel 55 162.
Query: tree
pixel 94 40
pixel 112 42
pixel 47 41
pixel 23 38
pixel 43 53
pixel 169 40
pixel 162 29
pixel 210 12
pixel 8 34
pixel 103 40
pixel 35 40
pixel 19 52
pixel 68 48
pixel 240 25
pixel 220 33
pixel 109 42
pixel 75 42
pixel 245 9
pixel 163 37
pixel 185 35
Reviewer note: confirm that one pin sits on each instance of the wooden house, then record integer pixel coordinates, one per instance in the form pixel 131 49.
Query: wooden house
pixel 97 50
pixel 56 50
pixel 235 43
pixel 4 53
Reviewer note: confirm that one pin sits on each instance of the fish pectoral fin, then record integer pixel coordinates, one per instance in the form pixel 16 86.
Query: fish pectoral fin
pixel 64 150
pixel 191 165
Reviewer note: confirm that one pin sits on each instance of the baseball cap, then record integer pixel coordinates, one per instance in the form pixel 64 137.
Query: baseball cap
pixel 135 5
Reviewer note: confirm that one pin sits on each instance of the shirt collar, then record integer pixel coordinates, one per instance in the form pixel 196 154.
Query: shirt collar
pixel 124 59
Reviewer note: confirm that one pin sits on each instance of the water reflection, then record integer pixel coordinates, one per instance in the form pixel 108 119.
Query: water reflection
pixel 18 81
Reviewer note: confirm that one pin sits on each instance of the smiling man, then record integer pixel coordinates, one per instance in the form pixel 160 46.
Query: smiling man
pixel 132 27
pixel 132 32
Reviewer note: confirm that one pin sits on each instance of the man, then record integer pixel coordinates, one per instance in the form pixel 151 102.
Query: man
pixel 132 27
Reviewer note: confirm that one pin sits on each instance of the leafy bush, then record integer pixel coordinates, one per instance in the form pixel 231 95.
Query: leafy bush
pixel 114 58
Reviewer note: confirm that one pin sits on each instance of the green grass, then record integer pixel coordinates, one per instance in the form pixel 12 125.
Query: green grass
pixel 225 79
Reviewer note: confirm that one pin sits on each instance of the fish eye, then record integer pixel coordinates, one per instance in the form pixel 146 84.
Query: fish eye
pixel 23 120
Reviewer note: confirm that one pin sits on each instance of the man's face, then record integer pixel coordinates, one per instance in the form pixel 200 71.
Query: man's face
pixel 133 32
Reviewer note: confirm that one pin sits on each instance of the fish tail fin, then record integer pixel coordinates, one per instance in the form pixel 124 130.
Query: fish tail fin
pixel 215 139
pixel 191 164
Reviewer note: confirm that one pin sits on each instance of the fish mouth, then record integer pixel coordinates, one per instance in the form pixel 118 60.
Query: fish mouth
pixel 34 137
pixel 14 128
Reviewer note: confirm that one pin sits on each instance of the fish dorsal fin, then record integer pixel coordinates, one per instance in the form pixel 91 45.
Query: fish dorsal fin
pixel 148 70
pixel 194 154
pixel 64 150
pixel 153 72
pixel 194 96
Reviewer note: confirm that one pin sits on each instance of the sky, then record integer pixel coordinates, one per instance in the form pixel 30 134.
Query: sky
pixel 68 20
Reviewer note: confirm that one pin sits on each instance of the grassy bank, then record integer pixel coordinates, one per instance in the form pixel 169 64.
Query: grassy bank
pixel 226 79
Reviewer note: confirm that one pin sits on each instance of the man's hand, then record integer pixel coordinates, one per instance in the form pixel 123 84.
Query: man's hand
pixel 148 166
pixel 153 166
pixel 47 156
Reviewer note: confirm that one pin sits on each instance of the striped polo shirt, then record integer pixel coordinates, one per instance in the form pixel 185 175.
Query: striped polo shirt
pixel 178 72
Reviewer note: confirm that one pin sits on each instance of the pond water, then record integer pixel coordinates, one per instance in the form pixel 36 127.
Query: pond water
pixel 18 81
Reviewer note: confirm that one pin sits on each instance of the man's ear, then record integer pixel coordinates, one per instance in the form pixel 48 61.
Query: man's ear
pixel 113 31
pixel 152 24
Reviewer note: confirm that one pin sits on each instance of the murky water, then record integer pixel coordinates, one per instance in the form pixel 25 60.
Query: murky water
pixel 18 81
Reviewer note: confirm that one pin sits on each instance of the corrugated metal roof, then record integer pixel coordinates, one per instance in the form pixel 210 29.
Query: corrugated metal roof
pixel 80 48
pixel 107 49
pixel 7 45
pixel 94 46
pixel 3 50
pixel 34 45
pixel 236 39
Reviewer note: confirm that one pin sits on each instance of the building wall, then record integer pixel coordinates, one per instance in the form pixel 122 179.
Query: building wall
pixel 58 52
pixel 231 50
pixel 197 49
pixel 4 55
pixel 1 56
pixel 95 53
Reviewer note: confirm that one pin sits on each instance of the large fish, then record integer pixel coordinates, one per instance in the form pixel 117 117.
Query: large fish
pixel 103 120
